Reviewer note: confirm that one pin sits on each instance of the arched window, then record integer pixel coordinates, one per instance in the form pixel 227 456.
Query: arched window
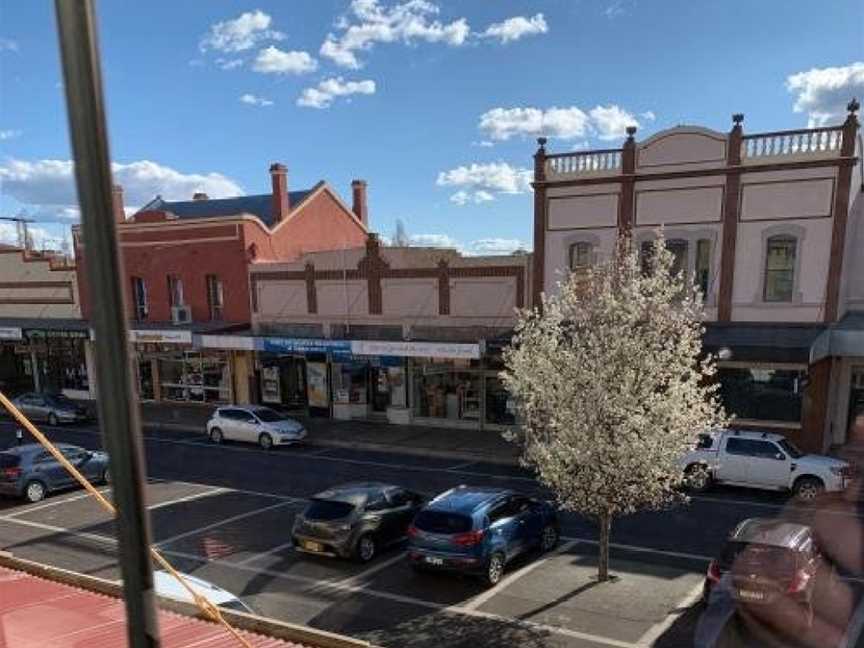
pixel 581 258
pixel 780 268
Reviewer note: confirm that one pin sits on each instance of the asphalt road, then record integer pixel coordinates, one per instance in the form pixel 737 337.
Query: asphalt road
pixel 224 513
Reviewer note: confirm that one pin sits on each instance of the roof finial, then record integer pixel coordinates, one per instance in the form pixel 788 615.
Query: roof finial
pixel 737 118
pixel 631 131
pixel 853 106
pixel 541 141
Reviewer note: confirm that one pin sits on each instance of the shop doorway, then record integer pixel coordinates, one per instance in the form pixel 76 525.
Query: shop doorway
pixel 855 431
pixel 16 370
pixel 379 385
pixel 145 379
pixel 284 383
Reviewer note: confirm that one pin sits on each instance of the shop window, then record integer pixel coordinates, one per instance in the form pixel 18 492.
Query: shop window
pixel 139 299
pixel 441 390
pixel 215 297
pixel 196 377
pixel 780 268
pixel 761 394
pixel 500 409
pixel 581 258
pixel 175 291
pixel 703 266
pixel 349 383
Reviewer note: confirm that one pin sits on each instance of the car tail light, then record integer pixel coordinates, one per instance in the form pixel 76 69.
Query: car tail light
pixel 413 532
pixel 11 473
pixel 714 574
pixel 468 539
pixel 799 582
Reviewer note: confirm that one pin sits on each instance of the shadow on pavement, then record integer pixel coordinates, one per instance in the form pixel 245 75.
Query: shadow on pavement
pixel 680 634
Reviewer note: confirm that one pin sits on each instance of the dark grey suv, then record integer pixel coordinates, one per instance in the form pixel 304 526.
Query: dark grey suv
pixel 356 520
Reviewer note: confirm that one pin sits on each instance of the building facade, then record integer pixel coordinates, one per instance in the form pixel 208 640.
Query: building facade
pixel 391 333
pixel 769 225
pixel 186 273
pixel 44 341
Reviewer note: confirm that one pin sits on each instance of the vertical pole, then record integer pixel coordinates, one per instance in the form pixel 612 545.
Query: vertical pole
pixel 730 219
pixel 539 255
pixel 118 411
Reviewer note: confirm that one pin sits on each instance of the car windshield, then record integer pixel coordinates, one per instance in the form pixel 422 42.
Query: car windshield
pixel 236 605
pixel 765 559
pixel 790 448
pixel 442 522
pixel 320 509
pixel 268 415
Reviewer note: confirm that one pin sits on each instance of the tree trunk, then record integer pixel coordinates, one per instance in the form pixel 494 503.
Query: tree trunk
pixel 605 533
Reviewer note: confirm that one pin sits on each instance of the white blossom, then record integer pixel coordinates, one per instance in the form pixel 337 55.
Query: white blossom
pixel 612 386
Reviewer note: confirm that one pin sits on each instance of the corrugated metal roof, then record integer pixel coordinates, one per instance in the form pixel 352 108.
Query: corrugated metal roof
pixel 39 613
pixel 260 205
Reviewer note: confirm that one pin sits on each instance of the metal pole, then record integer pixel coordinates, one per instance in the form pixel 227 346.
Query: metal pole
pixel 118 410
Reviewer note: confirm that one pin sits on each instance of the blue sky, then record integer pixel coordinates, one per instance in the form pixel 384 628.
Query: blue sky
pixel 436 104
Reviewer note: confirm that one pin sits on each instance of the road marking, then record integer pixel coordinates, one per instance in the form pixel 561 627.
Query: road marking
pixel 264 554
pixel 626 547
pixel 460 466
pixel 233 518
pixel 190 498
pixel 56 502
pixel 366 573
pixel 55 529
pixel 483 597
pixel 654 632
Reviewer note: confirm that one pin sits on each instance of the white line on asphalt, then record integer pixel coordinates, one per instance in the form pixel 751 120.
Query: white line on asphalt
pixel 190 498
pixel 654 632
pixel 410 600
pixel 55 502
pixel 460 466
pixel 483 597
pixel 264 554
pixel 233 518
pixel 56 529
pixel 626 547
pixel 366 573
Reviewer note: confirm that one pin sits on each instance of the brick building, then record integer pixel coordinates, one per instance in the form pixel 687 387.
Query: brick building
pixel 771 227
pixel 186 272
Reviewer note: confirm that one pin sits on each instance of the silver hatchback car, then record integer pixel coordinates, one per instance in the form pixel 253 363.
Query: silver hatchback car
pixel 254 424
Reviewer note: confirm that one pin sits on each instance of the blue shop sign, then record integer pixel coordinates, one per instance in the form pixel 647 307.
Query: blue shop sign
pixel 305 345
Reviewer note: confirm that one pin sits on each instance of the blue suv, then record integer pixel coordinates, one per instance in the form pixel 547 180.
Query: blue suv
pixel 479 530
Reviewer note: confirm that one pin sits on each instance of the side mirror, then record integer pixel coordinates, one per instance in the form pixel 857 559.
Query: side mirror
pixel 780 456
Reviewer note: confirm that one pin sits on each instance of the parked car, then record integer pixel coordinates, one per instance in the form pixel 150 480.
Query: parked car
pixel 480 530
pixel 762 460
pixel 766 562
pixel 356 520
pixel 166 585
pixel 31 472
pixel 254 424
pixel 50 408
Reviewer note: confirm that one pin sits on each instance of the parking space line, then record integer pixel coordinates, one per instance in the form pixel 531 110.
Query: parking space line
pixel 233 518
pixel 366 573
pixel 190 498
pixel 264 554
pixel 460 466
pixel 634 548
pixel 484 596
pixel 56 529
pixel 654 632
pixel 56 502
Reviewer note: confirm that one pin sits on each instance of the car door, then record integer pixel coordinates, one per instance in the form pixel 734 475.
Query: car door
pixel 767 466
pixel 403 507
pixel 733 460
pixel 82 460
pixel 531 520
pixel 50 471
pixel 248 427
pixel 504 527
pixel 27 405
pixel 40 407
pixel 228 423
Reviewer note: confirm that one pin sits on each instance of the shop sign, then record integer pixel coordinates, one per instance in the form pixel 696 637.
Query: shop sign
pixel 55 334
pixel 416 349
pixel 161 337
pixel 11 333
pixel 238 342
pixel 303 345
pixel 316 379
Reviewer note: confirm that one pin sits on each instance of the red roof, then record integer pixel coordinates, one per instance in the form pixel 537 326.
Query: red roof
pixel 39 613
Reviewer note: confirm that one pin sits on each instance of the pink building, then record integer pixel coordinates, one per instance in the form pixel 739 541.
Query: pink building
pixel 769 225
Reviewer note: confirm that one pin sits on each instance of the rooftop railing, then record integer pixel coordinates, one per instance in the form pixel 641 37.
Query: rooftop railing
pixel 584 162
pixel 810 142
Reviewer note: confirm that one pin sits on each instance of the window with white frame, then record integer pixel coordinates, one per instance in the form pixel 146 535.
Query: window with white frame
pixel 175 291
pixel 581 257
pixel 215 297
pixel 780 253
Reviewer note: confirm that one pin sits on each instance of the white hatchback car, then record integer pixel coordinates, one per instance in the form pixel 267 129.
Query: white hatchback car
pixel 166 585
pixel 254 424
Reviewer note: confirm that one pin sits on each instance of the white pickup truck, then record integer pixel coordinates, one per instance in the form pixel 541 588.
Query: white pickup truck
pixel 762 460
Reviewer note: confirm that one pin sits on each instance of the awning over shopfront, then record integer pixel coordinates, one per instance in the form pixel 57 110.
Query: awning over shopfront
pixel 844 339
pixel 25 328
pixel 191 334
pixel 762 342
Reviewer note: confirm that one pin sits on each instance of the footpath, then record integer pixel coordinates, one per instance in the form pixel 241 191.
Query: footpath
pixel 465 445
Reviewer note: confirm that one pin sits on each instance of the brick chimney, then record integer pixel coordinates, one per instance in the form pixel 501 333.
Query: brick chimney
pixel 117 203
pixel 358 204
pixel 279 180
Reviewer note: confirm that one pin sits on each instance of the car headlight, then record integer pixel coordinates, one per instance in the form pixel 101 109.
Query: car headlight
pixel 840 471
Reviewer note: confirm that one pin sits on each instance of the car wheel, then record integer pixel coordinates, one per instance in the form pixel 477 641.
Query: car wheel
pixel 52 419
pixel 216 435
pixel 265 441
pixel 106 476
pixel 35 491
pixel 548 538
pixel 698 478
pixel 495 569
pixel 366 548
pixel 808 489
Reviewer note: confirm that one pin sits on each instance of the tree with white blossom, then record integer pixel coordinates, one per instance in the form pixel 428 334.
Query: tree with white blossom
pixel 611 386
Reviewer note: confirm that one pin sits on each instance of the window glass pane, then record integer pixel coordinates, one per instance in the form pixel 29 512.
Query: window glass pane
pixel 703 264
pixel 580 255
pixel 678 248
pixel 780 268
pixel 736 447
pixel 761 394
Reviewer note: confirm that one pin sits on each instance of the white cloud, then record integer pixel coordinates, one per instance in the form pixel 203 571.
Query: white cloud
pixel 611 122
pixel 605 122
pixel 515 28
pixel 323 94
pixel 48 185
pixel 242 33
pixel 477 182
pixel 406 22
pixel 9 134
pixel 229 64
pixel 823 93
pixel 272 60
pixel 648 115
pixel 254 100
pixel 434 240
pixel 615 9
pixel 495 246
pixel 483 144
pixel 8 45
